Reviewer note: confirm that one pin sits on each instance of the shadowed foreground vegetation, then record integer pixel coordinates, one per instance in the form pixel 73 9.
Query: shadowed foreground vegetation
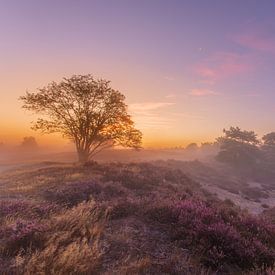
pixel 125 219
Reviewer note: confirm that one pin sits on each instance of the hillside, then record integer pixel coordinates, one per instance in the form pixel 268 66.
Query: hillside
pixel 131 218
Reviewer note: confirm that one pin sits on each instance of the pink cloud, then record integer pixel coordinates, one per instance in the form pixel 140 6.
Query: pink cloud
pixel 222 65
pixel 256 40
pixel 202 92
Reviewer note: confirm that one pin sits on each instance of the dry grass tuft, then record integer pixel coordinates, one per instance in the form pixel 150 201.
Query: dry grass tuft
pixel 71 244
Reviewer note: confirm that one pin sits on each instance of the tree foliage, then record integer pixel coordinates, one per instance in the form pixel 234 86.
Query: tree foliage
pixel 238 148
pixel 87 111
pixel 269 139
pixel 242 136
pixel 268 149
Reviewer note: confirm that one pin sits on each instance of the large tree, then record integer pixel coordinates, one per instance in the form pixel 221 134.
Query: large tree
pixel 87 111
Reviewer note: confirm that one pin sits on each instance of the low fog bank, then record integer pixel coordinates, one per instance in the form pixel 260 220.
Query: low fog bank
pixel 20 155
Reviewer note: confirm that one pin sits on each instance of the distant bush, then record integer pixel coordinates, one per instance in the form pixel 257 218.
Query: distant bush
pixel 254 193
pixel 131 180
pixel 145 176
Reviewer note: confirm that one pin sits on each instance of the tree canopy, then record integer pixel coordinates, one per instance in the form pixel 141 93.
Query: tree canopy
pixel 243 136
pixel 238 148
pixel 85 110
pixel 269 139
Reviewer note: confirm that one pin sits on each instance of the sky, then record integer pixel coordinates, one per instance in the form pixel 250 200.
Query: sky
pixel 188 69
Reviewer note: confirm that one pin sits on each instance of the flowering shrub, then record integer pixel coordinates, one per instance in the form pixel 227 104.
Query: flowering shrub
pixel 71 194
pixel 25 208
pixel 130 179
pixel 19 235
pixel 245 242
pixel 111 191
pixel 5 266
pixel 123 209
pixel 145 176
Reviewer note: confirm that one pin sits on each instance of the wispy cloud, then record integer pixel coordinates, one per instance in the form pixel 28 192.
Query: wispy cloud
pixel 169 78
pixel 257 39
pixel 170 96
pixel 202 92
pixel 151 114
pixel 222 65
pixel 148 106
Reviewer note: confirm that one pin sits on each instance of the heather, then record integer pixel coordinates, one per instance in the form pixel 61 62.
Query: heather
pixel 25 208
pixel 219 238
pixel 126 218
pixel 71 194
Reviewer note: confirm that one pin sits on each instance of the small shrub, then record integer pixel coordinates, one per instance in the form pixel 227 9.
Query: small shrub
pixel 161 213
pixel 20 235
pixel 111 191
pixel 145 176
pixel 123 209
pixel 264 205
pixel 25 208
pixel 71 194
pixel 269 214
pixel 254 193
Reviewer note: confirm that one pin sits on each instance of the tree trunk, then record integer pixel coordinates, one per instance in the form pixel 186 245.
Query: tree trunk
pixel 83 156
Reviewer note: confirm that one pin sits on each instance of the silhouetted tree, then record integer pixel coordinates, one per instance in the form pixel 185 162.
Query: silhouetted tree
pixel 87 111
pixel 192 147
pixel 239 148
pixel 269 139
pixel 242 136
pixel 29 143
pixel 268 149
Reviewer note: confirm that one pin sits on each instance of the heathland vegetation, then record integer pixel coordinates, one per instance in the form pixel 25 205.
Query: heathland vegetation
pixel 135 218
